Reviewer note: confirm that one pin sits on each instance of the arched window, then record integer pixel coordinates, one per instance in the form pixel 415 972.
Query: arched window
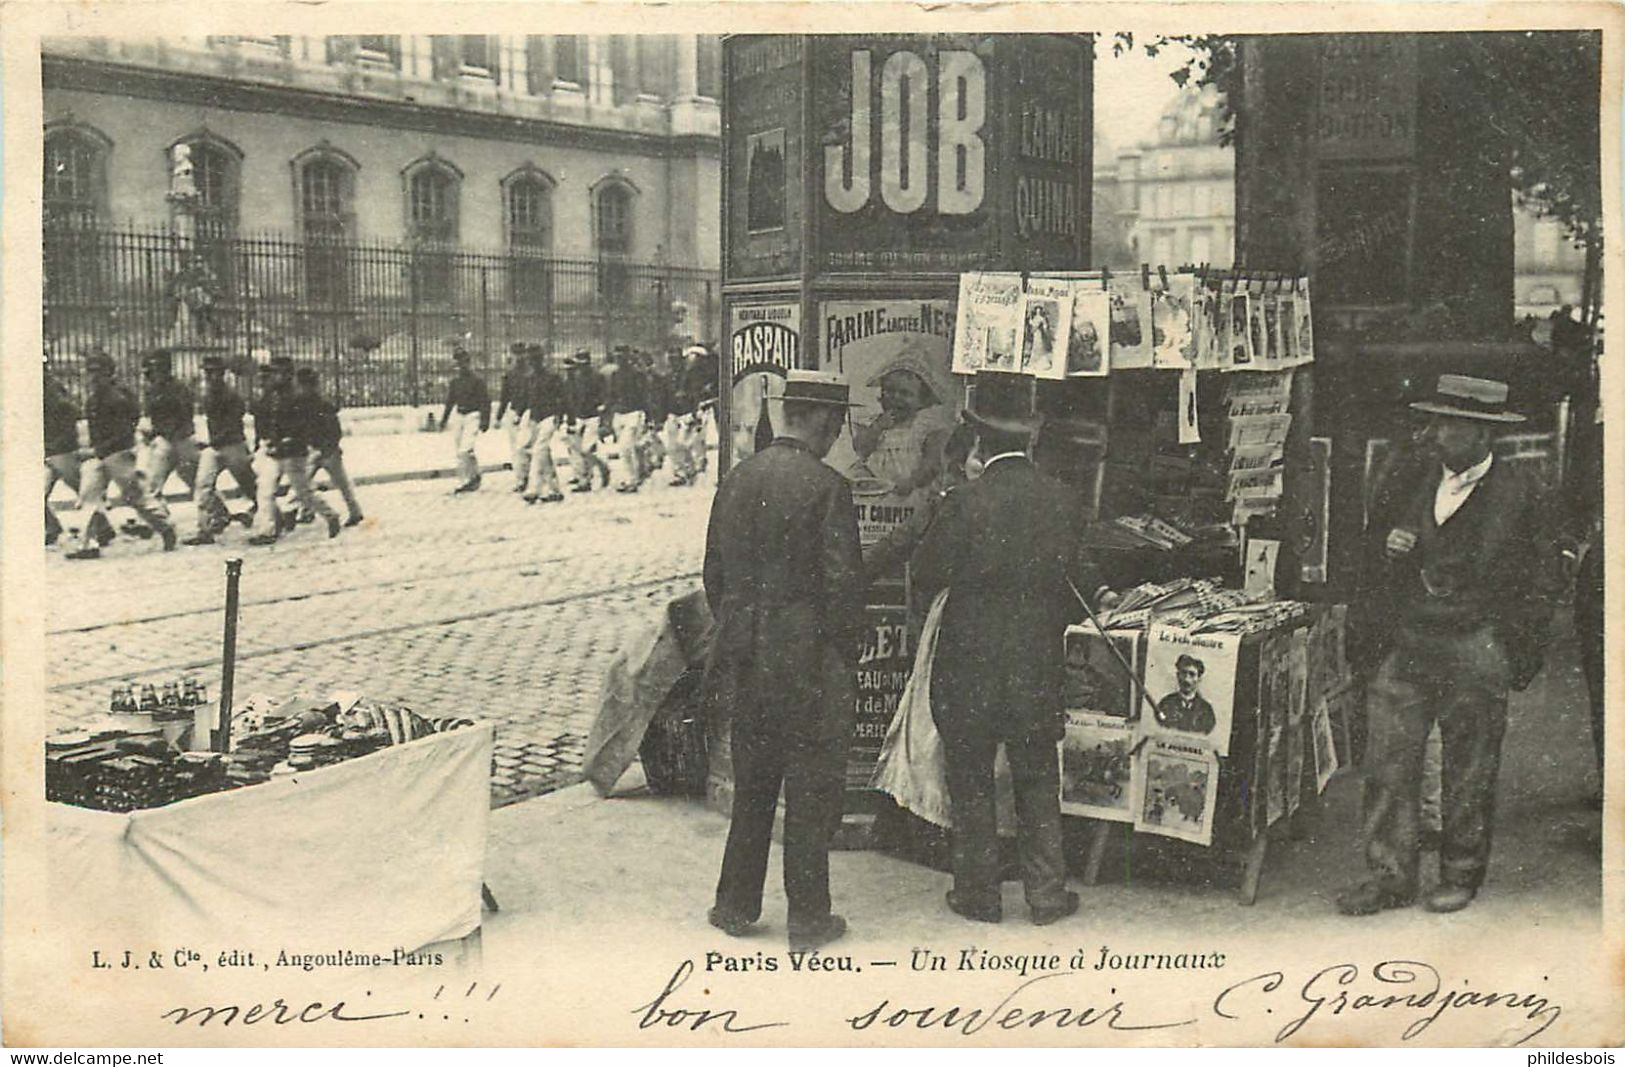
pixel 433 191
pixel 324 180
pixel 216 172
pixel 527 196
pixel 75 189
pixel 613 199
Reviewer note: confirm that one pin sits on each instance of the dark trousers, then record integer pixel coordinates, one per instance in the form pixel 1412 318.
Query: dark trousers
pixel 1035 774
pixel 1460 682
pixel 812 773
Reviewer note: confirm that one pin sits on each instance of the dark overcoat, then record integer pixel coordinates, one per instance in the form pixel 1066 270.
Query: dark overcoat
pixel 1003 547
pixel 784 579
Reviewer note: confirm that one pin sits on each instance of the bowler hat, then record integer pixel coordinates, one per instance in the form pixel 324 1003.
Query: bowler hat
pixel 816 387
pixel 97 358
pixel 1463 397
pixel 1003 402
pixel 281 363
pixel 461 354
pixel 158 357
pixel 214 363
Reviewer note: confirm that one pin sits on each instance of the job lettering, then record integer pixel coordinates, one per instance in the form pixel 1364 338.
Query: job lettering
pixel 905 132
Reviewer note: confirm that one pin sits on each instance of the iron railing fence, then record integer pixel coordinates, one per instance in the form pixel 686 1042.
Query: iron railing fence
pixel 378 319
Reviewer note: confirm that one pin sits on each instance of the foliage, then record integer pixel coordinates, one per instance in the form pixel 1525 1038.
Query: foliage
pixel 1542 85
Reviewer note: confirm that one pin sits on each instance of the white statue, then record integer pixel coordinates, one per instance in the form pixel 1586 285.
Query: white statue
pixel 180 172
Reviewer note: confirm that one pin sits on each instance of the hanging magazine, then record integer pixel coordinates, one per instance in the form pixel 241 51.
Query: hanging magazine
pixel 1097 767
pixel 1175 790
pixel 986 322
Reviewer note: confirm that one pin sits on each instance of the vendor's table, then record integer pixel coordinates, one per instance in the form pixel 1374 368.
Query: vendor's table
pixel 378 853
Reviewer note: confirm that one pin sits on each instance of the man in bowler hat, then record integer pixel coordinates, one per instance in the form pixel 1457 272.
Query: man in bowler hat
pixel 1002 546
pixel 784 579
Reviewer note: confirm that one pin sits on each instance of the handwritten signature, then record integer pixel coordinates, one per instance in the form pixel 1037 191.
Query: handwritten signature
pixel 1400 985
pixel 661 1012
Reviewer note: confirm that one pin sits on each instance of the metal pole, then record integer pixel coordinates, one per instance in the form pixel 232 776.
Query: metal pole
pixel 220 738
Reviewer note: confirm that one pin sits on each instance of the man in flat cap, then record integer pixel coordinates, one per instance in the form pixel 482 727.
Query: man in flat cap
pixel 583 399
pixel 226 449
pixel 1465 576
pixel 784 579
pixel 469 401
pixel 545 410
pixel 286 422
pixel 112 414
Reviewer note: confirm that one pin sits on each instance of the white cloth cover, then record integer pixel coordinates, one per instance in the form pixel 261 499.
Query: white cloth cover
pixel 912 769
pixel 382 852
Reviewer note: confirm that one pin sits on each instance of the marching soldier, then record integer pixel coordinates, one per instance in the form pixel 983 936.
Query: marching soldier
pixel 169 410
pixel 62 453
pixel 512 406
pixel 226 449
pixel 468 397
pixel 327 431
pixel 623 417
pixel 582 397
pixel 285 422
pixel 112 414
pixel 657 404
pixel 544 405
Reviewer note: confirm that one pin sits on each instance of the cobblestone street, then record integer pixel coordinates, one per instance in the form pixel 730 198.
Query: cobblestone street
pixel 474 605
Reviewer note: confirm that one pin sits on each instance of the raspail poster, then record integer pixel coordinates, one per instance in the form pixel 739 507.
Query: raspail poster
pixel 1086 351
pixel 1173 323
pixel 1131 324
pixel 895 356
pixel 764 344
pixel 987 316
pixel 1046 327
pixel 1175 789
pixel 1192 679
pixel 1097 767
pixel 1097 681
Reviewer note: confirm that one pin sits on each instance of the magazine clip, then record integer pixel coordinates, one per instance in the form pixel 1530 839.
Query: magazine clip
pixel 1280 281
pixel 1026 276
pixel 1235 282
pixel 1145 275
pixel 1162 272
pixel 1105 278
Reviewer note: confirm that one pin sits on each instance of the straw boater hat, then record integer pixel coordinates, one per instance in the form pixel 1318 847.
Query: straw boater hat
pixel 1003 402
pixel 1462 397
pixel 816 387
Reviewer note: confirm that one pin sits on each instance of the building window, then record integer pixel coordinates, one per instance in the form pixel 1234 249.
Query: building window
pixel 622 83
pixel 538 56
pixel 214 173
pixel 1201 246
pixel 326 188
pixel 708 75
pixel 377 50
pixel 567 58
pixel 433 188
pixel 528 195
pixel 656 55
pixel 1162 249
pixel 612 223
pixel 75 190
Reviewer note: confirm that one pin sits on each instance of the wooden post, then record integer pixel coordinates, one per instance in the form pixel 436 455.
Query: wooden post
pixel 1098 835
pixel 1254 870
pixel 220 737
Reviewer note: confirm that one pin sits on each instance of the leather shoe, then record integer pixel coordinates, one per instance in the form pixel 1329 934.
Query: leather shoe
pixel 729 923
pixel 199 539
pixel 1372 896
pixel 1056 912
pixel 1447 898
pixel 982 913
pixel 806 939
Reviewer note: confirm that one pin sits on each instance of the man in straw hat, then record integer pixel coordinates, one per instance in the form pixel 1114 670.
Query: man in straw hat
pixel 1002 546
pixel 1468 579
pixel 783 576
